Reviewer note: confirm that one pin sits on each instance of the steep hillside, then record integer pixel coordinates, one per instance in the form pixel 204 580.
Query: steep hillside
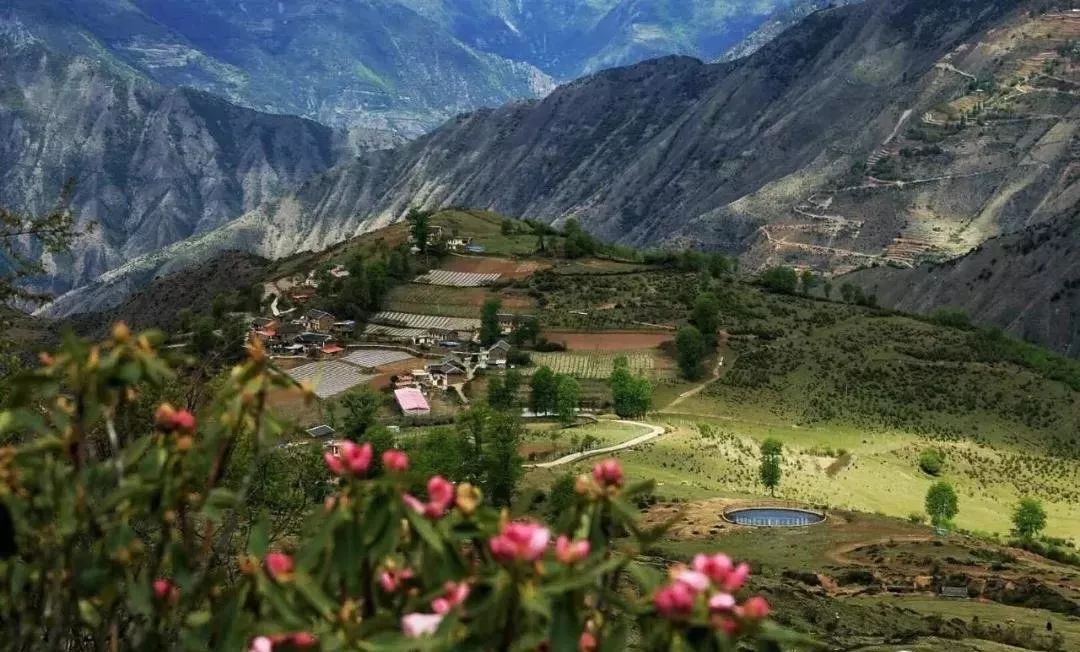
pixel 159 303
pixel 876 132
pixel 152 166
pixel 1026 283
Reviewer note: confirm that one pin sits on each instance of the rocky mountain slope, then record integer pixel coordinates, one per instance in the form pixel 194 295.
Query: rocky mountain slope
pixel 151 165
pixel 877 132
pixel 1026 283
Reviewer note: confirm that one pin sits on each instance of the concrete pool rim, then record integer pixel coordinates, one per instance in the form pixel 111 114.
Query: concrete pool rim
pixel 728 513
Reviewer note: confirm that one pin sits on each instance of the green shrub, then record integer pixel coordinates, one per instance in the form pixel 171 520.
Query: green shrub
pixel 143 537
pixel 932 461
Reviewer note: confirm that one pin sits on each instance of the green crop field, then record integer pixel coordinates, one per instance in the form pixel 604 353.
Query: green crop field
pixel 599 365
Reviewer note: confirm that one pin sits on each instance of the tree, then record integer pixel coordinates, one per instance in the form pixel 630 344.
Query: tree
pixel 578 242
pixel 503 392
pixel 420 228
pixel 567 398
pixel 705 315
pixel 502 460
pixel 827 287
pixel 771 458
pixel 490 332
pixel 720 265
pixel 51 233
pixel 780 279
pixel 847 292
pixel 1029 518
pixel 942 505
pixel 526 332
pixel 631 395
pixel 543 391
pixel 561 496
pixel 932 461
pixel 691 348
pixel 808 281
pixel 361 412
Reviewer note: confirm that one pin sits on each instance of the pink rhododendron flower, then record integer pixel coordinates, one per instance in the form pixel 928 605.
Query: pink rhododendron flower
pixel 587 642
pixel 454 594
pixel 303 640
pixel 675 600
pixel 352 459
pixel 391 580
pixel 698 582
pixel 395 461
pixel 727 625
pixel 520 541
pixel 165 590
pixel 168 419
pixel 721 602
pixel 440 497
pixel 569 552
pixel 440 491
pixel 736 578
pixel 279 565
pixel 261 644
pixel 608 473
pixel 415 625
pixel 756 608
pixel 717 566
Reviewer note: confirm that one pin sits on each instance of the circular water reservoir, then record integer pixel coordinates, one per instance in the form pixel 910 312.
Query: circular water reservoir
pixel 774 517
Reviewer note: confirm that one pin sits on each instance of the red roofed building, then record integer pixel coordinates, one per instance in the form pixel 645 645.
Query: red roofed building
pixel 331 349
pixel 412 402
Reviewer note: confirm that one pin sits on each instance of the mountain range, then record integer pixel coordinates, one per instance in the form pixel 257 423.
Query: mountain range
pixel 142 102
pixel 399 65
pixel 894 135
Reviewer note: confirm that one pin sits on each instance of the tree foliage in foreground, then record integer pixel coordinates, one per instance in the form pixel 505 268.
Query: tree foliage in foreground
pixel 131 540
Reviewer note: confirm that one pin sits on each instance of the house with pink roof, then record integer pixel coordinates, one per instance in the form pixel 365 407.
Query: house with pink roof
pixel 412 402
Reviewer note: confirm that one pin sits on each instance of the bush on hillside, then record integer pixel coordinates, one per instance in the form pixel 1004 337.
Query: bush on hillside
pixel 932 461
pixel 140 538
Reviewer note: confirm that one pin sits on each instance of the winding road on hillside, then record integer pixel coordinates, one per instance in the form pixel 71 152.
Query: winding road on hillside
pixel 654 432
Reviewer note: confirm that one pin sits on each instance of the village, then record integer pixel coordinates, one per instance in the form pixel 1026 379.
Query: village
pixel 420 359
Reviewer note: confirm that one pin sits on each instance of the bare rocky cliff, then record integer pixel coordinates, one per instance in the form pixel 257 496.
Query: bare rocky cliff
pixel 152 166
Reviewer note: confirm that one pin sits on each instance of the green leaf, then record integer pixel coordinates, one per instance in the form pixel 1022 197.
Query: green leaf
pixel 565 626
pixel 89 613
pixel 259 537
pixel 426 531
pixel 218 502
pixel 314 595
pixel 615 639
pixel 644 576
pixel 581 580
pixel 198 618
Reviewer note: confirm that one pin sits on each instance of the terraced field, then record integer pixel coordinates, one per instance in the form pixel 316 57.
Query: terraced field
pixel 452 301
pixel 456 279
pixel 599 365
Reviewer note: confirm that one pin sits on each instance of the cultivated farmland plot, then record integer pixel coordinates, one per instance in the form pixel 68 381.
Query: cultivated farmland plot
pixel 456 279
pixel 409 320
pixel 329 377
pixel 372 358
pixel 599 365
